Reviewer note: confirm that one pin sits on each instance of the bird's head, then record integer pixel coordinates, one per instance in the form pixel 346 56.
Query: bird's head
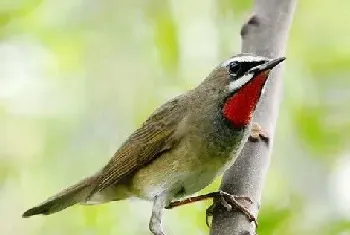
pixel 242 79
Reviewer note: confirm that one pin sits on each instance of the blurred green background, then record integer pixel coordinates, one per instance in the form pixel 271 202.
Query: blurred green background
pixel 78 76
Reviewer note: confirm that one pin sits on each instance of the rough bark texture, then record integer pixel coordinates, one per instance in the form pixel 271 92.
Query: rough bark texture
pixel 265 34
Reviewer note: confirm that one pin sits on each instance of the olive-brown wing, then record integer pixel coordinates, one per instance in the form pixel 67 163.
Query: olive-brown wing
pixel 156 136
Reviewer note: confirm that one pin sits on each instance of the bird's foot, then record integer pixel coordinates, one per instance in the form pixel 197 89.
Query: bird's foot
pixel 225 199
pixel 229 201
pixel 257 133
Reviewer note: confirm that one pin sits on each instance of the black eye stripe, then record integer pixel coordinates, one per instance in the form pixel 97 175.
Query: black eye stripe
pixel 237 69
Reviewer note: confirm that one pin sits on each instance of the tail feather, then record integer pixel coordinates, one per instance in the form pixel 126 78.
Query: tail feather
pixel 68 197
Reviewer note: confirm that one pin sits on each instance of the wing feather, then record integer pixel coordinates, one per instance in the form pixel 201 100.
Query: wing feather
pixel 155 136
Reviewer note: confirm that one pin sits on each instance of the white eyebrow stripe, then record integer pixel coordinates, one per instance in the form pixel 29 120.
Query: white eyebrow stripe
pixel 235 84
pixel 245 58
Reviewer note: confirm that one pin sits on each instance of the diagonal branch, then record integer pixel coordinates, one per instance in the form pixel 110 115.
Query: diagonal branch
pixel 265 34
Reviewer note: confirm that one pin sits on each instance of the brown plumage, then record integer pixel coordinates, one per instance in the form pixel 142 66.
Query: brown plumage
pixel 153 138
pixel 181 147
pixel 62 200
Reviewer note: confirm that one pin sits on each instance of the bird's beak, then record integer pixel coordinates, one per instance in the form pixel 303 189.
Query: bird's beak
pixel 267 67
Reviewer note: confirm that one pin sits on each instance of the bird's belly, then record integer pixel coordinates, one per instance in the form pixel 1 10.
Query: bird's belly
pixel 179 173
pixel 204 175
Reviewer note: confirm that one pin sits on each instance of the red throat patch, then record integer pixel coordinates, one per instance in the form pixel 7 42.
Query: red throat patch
pixel 238 109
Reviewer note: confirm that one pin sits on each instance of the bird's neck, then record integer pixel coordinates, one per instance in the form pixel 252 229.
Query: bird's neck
pixel 238 109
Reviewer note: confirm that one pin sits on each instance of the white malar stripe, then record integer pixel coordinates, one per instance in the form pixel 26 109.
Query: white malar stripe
pixel 236 84
pixel 244 58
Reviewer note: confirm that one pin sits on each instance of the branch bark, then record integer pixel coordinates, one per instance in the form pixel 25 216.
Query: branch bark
pixel 265 34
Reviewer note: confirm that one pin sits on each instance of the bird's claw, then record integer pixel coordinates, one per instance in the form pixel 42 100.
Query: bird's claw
pixel 229 201
pixel 257 133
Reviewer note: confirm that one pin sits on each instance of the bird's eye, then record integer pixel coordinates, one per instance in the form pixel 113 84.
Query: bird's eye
pixel 234 67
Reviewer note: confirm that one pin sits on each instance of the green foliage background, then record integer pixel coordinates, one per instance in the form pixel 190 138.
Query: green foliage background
pixel 78 76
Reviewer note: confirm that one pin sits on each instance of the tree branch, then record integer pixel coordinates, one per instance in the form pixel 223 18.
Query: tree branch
pixel 265 34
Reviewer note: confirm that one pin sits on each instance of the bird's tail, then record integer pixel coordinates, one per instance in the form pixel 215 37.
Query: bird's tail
pixel 68 197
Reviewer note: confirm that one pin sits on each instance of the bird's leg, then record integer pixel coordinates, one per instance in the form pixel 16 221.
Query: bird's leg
pixel 201 198
pixel 155 223
pixel 257 133
pixel 225 199
pixel 190 200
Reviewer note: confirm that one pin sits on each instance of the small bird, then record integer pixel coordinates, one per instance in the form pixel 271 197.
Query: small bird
pixel 182 147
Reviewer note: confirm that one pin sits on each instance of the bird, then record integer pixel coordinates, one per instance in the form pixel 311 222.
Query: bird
pixel 182 147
